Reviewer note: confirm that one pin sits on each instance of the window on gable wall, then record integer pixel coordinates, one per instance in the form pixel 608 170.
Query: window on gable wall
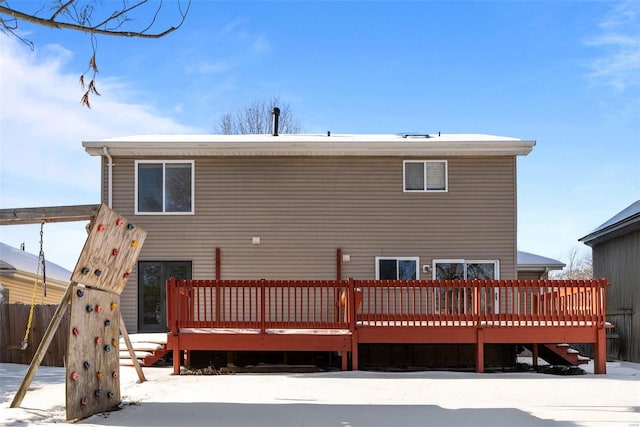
pixel 164 187
pixel 425 175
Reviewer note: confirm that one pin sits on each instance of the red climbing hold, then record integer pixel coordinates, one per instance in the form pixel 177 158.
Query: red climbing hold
pixel 101 227
pixel 75 331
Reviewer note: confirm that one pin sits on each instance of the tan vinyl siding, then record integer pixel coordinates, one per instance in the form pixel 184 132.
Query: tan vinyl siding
pixel 303 209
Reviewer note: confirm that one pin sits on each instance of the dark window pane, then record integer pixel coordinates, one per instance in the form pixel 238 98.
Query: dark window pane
pixel 387 269
pixel 151 282
pixel 179 271
pixel 407 270
pixel 414 176
pixel 484 271
pixel 149 187
pixel 178 187
pixel 449 271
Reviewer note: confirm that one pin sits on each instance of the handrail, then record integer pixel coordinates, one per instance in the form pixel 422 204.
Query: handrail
pixel 311 304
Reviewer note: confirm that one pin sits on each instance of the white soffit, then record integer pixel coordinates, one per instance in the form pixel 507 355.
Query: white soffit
pixel 310 145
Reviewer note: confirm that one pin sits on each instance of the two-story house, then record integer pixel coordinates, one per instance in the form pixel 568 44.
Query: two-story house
pixel 278 207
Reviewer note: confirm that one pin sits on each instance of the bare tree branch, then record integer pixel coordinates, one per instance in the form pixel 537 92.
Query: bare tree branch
pixel 77 15
pixel 87 29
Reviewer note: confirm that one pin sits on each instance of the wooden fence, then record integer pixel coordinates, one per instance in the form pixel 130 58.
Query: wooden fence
pixel 13 323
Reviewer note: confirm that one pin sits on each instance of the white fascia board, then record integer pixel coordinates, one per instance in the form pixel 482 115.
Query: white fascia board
pixel 305 145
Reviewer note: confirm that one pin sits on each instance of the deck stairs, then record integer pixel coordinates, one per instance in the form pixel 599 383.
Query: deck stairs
pixel 560 354
pixel 148 348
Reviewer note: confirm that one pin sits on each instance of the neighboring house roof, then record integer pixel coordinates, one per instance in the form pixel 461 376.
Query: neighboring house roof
pixel 311 145
pixel 13 260
pixel 625 221
pixel 532 262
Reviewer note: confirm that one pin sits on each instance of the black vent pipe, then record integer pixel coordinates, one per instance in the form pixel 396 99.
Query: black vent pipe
pixel 275 113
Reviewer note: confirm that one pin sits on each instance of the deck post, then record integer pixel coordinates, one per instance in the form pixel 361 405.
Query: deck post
pixel 600 352
pixel 351 308
pixel 175 338
pixel 480 350
pixel 535 356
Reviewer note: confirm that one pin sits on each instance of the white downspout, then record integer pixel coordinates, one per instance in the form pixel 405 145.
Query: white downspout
pixel 109 178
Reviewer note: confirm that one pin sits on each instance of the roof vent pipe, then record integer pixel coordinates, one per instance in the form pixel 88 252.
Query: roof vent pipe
pixel 275 113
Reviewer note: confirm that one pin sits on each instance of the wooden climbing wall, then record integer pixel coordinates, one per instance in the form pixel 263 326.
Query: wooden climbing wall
pixel 93 365
pixel 110 252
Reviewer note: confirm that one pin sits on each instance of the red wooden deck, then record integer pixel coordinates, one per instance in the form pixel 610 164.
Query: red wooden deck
pixel 337 315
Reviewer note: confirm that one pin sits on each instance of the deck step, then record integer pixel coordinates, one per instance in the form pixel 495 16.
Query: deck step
pixel 148 349
pixel 560 354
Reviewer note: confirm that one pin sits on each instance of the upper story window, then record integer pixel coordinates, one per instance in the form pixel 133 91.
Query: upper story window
pixel 394 268
pixel 425 175
pixel 164 187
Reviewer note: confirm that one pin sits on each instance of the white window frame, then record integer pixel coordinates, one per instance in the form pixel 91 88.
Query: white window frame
pixel 424 186
pixel 398 258
pixel 163 163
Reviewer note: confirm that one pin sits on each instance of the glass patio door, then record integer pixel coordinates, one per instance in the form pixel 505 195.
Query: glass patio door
pixel 461 300
pixel 152 300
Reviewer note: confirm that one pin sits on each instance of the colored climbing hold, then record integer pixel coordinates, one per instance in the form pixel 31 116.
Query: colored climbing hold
pixel 86 365
pixel 134 244
pixel 98 340
pixel 114 252
pixel 125 276
pixel 107 348
pixel 114 374
pixel 114 342
pixel 114 306
pixel 97 393
pixel 85 270
pixel 75 331
pixel 107 322
pixel 119 222
pixel 100 375
pixel 110 394
pixel 101 227
pixel 97 273
pixel 74 376
pixel 131 226
pixel 83 401
pixel 89 308
pixel 80 292
pixel 99 308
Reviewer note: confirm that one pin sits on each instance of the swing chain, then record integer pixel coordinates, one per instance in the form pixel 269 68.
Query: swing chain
pixel 41 260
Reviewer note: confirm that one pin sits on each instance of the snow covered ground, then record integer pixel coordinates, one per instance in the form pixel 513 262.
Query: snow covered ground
pixel 343 399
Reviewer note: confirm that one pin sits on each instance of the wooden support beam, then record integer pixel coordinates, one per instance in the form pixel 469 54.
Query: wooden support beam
pixel 132 353
pixel 480 351
pixel 43 347
pixel 600 352
pixel 17 216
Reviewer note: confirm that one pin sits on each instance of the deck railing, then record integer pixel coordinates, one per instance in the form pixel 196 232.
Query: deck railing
pixel 308 304
pixel 488 302
pixel 257 304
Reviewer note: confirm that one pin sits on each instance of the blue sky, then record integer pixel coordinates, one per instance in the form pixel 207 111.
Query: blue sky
pixel 566 74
